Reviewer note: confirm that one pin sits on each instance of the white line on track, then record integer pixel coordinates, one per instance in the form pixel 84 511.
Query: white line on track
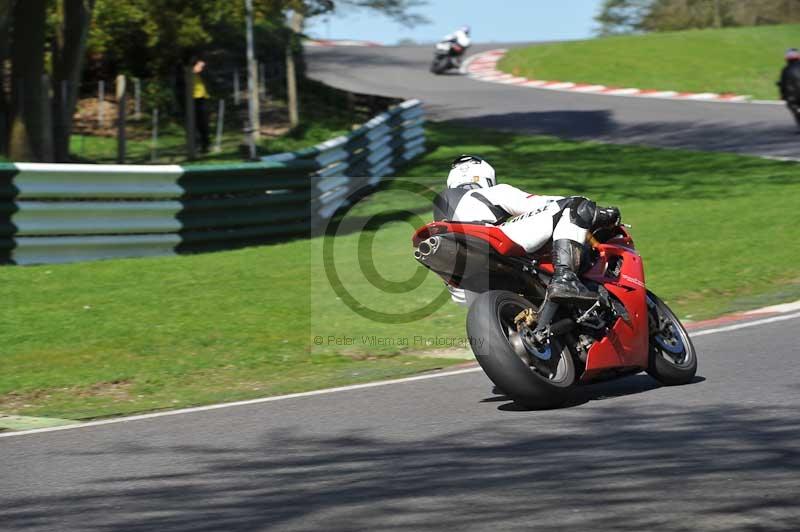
pixel 746 324
pixel 767 102
pixel 241 403
pixel 327 391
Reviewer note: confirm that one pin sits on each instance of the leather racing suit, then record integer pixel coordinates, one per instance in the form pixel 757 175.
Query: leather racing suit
pixel 530 220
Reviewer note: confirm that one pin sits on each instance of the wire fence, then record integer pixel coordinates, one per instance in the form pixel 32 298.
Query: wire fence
pixel 122 119
pixel 132 120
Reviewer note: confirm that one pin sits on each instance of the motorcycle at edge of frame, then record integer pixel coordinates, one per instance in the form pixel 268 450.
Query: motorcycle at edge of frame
pixel 537 351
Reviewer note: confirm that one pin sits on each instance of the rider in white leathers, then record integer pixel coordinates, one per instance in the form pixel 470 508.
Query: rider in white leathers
pixel 530 220
pixel 460 39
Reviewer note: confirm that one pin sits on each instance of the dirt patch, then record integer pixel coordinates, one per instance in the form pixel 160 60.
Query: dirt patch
pixel 451 353
pixel 274 120
pixel 117 390
pixel 86 121
pixel 454 353
pixel 87 118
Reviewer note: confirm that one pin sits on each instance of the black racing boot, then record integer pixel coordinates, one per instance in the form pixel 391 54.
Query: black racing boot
pixel 565 286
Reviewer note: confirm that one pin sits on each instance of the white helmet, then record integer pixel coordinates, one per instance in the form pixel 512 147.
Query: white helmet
pixel 469 171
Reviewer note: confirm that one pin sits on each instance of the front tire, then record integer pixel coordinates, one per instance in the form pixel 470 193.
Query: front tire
pixel 535 380
pixel 673 359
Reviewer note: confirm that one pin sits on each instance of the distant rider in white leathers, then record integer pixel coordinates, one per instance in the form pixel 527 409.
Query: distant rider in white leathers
pixel 460 37
pixel 460 40
pixel 530 220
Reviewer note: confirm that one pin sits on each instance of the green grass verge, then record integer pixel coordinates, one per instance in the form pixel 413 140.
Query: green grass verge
pixel 736 60
pixel 104 338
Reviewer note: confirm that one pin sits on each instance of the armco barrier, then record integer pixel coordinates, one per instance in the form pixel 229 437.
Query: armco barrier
pixel 51 213
pixel 348 163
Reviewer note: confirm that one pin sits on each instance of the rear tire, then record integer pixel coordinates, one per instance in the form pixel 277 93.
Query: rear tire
pixel 440 64
pixel 493 339
pixel 673 360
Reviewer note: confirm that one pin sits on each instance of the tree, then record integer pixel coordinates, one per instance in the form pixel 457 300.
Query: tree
pixel 626 16
pixel 300 10
pixel 6 15
pixel 30 128
pixel 30 138
pixel 45 42
pixel 622 16
pixel 69 50
pixel 667 15
pixel 397 10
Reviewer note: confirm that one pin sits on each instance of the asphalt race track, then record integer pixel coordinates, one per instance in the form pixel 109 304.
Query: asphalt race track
pixel 722 453
pixel 403 72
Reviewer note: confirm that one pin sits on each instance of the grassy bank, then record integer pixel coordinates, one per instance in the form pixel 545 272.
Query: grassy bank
pixel 85 340
pixel 736 60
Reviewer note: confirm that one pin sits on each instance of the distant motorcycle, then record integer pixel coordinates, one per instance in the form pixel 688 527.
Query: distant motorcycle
pixel 447 55
pixel 537 351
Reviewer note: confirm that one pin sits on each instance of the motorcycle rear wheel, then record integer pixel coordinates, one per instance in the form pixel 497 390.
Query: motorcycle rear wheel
pixel 673 359
pixel 440 64
pixel 535 380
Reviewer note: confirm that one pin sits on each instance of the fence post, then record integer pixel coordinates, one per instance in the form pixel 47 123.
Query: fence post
pixel 291 89
pixel 252 78
pixel 236 90
pixel 154 140
pixel 220 121
pixel 296 26
pixel 47 147
pixel 262 84
pixel 250 139
pixel 62 135
pixel 121 118
pixel 101 98
pixel 137 94
pixel 188 75
pixel 64 101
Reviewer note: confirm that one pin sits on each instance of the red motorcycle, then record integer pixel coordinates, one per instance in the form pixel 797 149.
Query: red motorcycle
pixel 536 350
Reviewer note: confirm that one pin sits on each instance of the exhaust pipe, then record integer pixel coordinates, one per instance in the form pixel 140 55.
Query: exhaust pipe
pixel 443 255
pixel 473 265
pixel 427 248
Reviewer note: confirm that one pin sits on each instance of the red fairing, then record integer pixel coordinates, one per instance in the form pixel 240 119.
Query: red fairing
pixel 625 345
pixel 489 233
pixel 622 239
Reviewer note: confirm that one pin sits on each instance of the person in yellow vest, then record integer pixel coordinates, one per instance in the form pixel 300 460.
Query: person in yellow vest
pixel 201 98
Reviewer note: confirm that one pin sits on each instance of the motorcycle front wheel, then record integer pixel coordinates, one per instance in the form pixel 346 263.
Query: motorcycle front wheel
pixel 533 377
pixel 673 359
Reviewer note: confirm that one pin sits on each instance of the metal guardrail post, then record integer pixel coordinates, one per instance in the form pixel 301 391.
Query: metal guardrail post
pixel 121 118
pixel 191 127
